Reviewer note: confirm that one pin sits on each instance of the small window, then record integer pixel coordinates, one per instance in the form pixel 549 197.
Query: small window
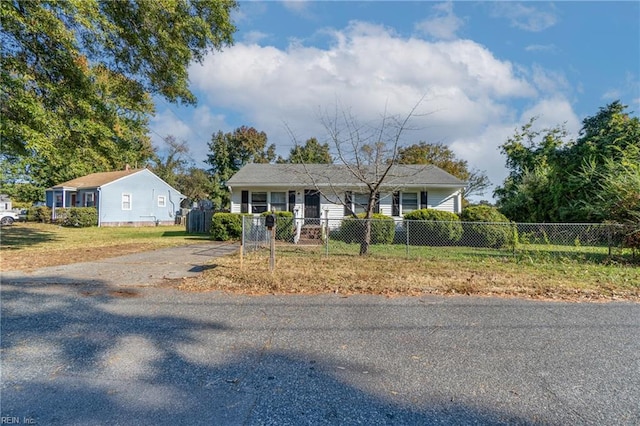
pixel 89 199
pixel 126 201
pixel 409 202
pixel 58 200
pixel 162 201
pixel 279 201
pixel 360 202
pixel 258 202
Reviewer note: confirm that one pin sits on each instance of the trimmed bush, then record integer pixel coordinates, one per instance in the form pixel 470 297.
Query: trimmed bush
pixel 77 217
pixel 486 234
pixel 40 214
pixel 285 229
pixel 226 226
pixel 429 227
pixel 383 229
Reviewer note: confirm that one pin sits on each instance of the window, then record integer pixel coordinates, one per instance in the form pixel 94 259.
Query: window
pixel 58 200
pixel 279 201
pixel 126 201
pixel 360 202
pixel 162 201
pixel 258 202
pixel 89 199
pixel 409 202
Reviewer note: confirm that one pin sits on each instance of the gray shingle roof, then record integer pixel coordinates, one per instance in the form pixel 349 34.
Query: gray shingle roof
pixel 339 175
pixel 95 180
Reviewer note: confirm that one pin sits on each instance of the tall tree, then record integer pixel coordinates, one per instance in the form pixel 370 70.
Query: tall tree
pixel 173 162
pixel 553 179
pixel 443 157
pixel 312 152
pixel 76 77
pixel 231 151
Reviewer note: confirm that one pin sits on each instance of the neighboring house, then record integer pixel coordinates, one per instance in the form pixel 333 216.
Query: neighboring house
pixel 131 197
pixel 5 202
pixel 314 191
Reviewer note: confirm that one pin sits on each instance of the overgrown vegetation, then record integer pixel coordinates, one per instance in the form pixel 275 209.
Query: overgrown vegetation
pixel 383 229
pixel 485 233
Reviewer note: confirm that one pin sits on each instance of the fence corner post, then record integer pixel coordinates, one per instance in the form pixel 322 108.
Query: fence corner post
pixel 242 242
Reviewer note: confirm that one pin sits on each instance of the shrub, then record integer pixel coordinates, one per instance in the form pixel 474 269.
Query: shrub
pixel 383 229
pixel 285 229
pixel 77 217
pixel 489 233
pixel 226 226
pixel 432 227
pixel 40 214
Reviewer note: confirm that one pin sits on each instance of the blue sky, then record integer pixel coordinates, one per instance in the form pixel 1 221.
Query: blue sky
pixel 482 70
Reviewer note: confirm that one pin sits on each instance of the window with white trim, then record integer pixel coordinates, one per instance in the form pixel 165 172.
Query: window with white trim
pixel 258 202
pixel 278 201
pixel 126 201
pixel 89 199
pixel 409 202
pixel 360 202
pixel 162 201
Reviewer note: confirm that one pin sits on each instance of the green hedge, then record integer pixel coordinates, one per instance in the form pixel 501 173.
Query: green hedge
pixel 383 229
pixel 432 227
pixel 489 233
pixel 77 217
pixel 226 226
pixel 40 214
pixel 285 229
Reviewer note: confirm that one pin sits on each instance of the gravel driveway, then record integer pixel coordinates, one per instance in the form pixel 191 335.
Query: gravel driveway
pixel 78 348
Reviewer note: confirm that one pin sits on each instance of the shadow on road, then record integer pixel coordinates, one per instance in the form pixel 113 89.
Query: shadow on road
pixel 84 354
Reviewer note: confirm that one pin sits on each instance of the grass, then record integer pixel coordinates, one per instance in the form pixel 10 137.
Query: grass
pixel 27 246
pixel 541 271
pixel 426 270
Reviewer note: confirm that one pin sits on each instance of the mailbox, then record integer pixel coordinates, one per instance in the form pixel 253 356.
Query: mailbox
pixel 270 221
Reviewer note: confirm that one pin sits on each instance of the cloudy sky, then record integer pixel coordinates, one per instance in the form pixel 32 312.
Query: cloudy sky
pixel 476 71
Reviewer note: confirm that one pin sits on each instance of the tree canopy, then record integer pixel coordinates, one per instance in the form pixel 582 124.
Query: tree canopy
pixel 230 151
pixel 594 178
pixel 312 152
pixel 77 78
pixel 443 157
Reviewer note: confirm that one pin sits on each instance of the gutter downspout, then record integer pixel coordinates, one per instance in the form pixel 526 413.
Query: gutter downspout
pixel 99 207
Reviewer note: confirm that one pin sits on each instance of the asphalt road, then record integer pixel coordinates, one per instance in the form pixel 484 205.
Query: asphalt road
pixel 78 351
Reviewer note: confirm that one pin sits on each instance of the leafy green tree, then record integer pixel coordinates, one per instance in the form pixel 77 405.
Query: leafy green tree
pixel 312 152
pixel 77 76
pixel 443 157
pixel 552 179
pixel 195 184
pixel 231 151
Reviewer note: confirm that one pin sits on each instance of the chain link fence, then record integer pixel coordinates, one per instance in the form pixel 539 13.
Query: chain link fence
pixel 421 238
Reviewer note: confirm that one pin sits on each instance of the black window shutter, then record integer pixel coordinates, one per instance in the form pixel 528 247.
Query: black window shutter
pixel 423 199
pixel 347 203
pixel 376 206
pixel 244 206
pixel 395 204
pixel 292 200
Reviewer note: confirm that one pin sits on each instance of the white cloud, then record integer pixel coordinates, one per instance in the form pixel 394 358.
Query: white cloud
pixel 528 18
pixel 469 93
pixel 443 24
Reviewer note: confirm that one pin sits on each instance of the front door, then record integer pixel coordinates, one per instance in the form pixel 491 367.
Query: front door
pixel 311 204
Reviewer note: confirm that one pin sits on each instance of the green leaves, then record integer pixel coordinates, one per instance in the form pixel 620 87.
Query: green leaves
pixel 594 178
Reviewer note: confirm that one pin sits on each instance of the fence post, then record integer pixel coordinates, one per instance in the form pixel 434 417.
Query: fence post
pixel 242 242
pixel 326 235
pixel 407 237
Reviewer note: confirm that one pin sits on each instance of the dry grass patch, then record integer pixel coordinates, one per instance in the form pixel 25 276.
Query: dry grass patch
pixel 345 274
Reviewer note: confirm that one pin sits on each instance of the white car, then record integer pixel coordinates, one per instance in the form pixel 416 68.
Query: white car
pixel 8 217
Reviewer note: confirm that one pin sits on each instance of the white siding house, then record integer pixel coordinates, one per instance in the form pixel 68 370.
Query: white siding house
pixel 328 191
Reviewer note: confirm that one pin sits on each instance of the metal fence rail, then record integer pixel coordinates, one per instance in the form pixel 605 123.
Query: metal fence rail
pixel 410 238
